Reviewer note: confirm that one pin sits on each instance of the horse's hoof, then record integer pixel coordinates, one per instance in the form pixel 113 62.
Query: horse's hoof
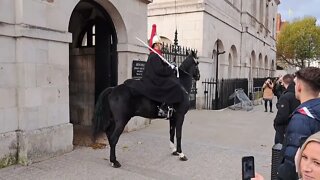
pixel 115 164
pixel 175 153
pixel 184 158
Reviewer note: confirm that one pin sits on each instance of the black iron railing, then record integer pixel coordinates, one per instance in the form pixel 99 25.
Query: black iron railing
pixel 226 87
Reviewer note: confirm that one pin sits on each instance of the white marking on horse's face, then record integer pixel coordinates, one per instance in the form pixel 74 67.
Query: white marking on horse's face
pixel 196 61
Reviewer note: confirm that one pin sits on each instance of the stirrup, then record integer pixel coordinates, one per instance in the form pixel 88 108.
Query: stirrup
pixel 161 113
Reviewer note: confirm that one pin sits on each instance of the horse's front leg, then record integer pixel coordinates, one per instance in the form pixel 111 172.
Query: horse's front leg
pixel 179 123
pixel 172 133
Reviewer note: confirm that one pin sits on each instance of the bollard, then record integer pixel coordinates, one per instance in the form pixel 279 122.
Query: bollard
pixel 276 155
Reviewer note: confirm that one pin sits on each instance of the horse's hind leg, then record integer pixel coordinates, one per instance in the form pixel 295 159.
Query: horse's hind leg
pixel 113 140
pixel 172 133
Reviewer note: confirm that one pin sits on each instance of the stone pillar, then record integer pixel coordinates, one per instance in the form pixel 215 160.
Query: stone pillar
pixel 34 92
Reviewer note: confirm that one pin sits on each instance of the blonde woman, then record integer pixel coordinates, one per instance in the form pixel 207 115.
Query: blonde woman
pixel 308 158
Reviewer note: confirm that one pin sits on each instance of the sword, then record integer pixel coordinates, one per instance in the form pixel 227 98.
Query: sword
pixel 161 57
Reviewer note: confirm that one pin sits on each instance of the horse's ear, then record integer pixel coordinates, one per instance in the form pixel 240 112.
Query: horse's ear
pixel 187 52
pixel 194 54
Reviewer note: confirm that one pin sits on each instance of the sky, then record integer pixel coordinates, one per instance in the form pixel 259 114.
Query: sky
pixel 292 9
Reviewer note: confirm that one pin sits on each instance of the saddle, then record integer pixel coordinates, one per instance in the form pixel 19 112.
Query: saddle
pixel 164 110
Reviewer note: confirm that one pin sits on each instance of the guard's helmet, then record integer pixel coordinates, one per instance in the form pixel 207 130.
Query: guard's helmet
pixel 156 39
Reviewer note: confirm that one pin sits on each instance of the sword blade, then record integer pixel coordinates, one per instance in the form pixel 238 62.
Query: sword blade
pixel 161 57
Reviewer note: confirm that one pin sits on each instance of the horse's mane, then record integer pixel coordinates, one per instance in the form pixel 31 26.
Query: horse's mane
pixel 186 62
pixel 185 76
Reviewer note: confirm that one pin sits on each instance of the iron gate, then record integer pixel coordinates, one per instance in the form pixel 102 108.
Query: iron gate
pixel 225 88
pixel 177 54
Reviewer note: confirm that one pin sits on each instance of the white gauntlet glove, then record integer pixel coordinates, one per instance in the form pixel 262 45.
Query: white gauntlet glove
pixel 173 66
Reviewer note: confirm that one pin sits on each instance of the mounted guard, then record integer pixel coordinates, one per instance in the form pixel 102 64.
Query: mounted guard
pixel 159 81
pixel 117 105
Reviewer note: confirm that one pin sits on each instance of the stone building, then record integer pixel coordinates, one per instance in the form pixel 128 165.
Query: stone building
pixel 244 29
pixel 56 56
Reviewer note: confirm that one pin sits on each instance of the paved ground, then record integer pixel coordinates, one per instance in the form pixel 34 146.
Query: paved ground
pixel 214 142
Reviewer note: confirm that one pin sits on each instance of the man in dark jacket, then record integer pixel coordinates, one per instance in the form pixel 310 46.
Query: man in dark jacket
pixel 278 87
pixel 304 122
pixel 286 105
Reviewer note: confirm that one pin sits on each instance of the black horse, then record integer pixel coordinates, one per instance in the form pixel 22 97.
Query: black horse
pixel 117 105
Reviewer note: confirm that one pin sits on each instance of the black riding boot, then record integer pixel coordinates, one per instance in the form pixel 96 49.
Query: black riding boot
pixel 165 111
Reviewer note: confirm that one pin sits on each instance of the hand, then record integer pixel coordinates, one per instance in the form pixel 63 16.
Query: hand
pixel 257 177
pixel 173 66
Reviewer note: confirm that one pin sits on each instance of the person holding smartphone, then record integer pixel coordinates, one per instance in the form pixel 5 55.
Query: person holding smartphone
pixel 267 94
pixel 307 160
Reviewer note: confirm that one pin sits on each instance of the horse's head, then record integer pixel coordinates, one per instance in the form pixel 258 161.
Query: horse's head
pixel 194 54
pixel 190 65
pixel 196 71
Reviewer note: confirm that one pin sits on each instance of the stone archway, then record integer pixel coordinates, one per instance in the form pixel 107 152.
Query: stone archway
pixel 218 45
pixel 260 67
pixel 93 64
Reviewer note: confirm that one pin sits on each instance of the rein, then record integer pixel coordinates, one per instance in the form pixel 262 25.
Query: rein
pixel 185 72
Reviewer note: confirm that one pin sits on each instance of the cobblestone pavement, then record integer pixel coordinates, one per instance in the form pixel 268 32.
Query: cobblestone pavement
pixel 213 141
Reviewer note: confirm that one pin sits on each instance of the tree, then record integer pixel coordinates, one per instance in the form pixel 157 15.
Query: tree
pixel 299 42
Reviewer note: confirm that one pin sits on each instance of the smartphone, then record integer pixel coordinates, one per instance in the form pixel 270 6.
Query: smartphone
pixel 247 167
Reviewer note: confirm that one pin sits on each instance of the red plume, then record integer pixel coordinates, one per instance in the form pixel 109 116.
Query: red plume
pixel 153 33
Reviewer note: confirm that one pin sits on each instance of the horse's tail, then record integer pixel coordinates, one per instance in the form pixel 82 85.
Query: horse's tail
pixel 102 114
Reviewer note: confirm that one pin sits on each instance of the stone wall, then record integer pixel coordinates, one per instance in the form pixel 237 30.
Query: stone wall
pixel 34 73
pixel 34 81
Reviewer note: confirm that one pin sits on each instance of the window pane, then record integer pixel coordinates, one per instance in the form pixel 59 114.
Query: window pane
pixel 84 40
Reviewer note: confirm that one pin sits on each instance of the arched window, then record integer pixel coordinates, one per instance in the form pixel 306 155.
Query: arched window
pixel 266 66
pixel 253 64
pixel 230 63
pixel 260 66
pixel 89 36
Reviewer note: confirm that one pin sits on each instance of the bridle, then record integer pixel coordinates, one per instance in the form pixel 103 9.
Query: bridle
pixel 196 65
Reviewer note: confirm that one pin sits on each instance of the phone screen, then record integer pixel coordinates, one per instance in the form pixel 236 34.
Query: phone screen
pixel 247 167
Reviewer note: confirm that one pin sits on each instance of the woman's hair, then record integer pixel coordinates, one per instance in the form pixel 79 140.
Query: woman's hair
pixel 313 138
